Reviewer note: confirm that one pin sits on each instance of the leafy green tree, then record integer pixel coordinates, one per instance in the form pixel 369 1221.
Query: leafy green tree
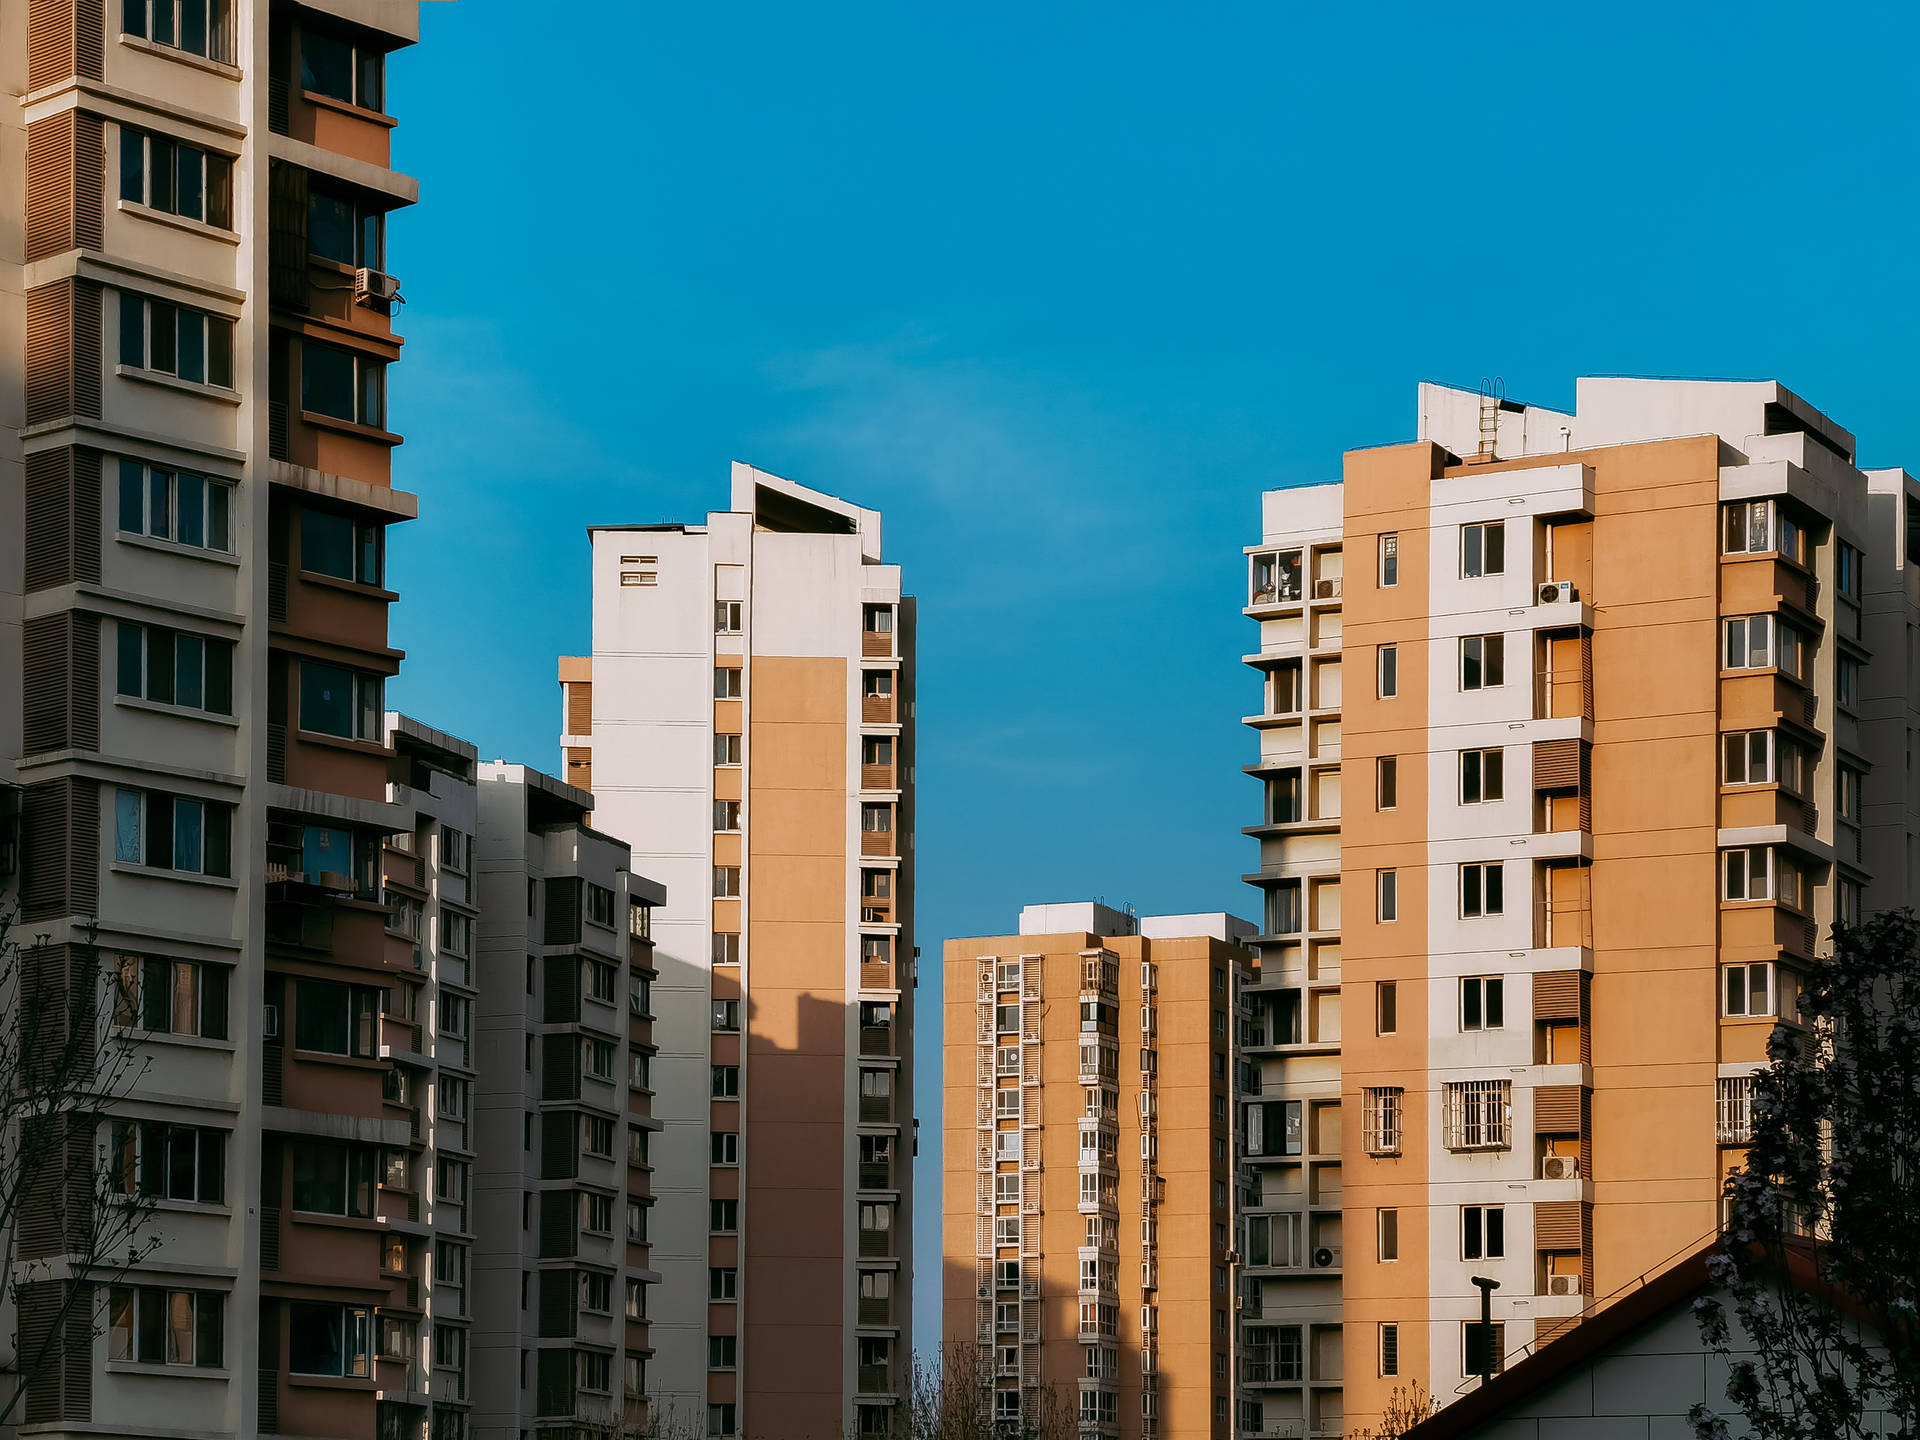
pixel 1830 1194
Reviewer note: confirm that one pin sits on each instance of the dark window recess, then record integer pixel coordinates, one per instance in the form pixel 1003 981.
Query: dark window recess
pixel 341 70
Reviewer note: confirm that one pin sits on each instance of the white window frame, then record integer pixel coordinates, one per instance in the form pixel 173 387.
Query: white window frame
pixel 1477 1115
pixel 1488 785
pixel 1387 671
pixel 1382 1119
pixel 1389 560
pixel 1737 993
pixel 1747 873
pixel 1386 896
pixel 1487 904
pixel 1489 653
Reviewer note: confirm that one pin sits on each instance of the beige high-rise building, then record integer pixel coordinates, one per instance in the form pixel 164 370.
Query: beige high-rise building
pixel 1578 732
pixel 745 723
pixel 1088 1238
pixel 195 485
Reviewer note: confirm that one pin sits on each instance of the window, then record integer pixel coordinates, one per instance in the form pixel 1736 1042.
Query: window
pixel 595 1371
pixel 878 684
pixel 452 1095
pixel 334 1019
pixel 723 1216
pixel 1385 1007
pixel 345 232
pixel 200 27
pixel 1747 757
pixel 726 815
pixel 450 1178
pixel 596 1289
pixel 726 881
pixel 722 1352
pixel 1482 776
pixel 172 832
pixel 1389 1346
pixel 1483 549
pixel 876 750
pixel 334 1179
pixel 1847 570
pixel 1386 789
pixel 1474 1336
pixel 175 505
pixel 343 384
pixel 725 1145
pixel 1482 1004
pixel 1387 887
pixel 720 1420
pixel 344 703
pixel 596 1135
pixel 1483 1232
pixel 1389 560
pixel 151 1325
pixel 172 997
pixel 340 547
pixel 1733 1106
pixel 726 749
pixel 1482 889
pixel 1748 873
pixel 726 1082
pixel 726 682
pixel 1758 527
pixel 727 617
pixel 1387 1233
pixel 723 1283
pixel 1747 989
pixel 329 1339
pixel 179 179
pixel 456 1012
pixel 341 70
pixel 599 905
pixel 456 933
pixel 876 819
pixel 1380 1119
pixel 726 949
pixel 1483 662
pixel 1478 1114
pixel 597 1057
pixel 1846 680
pixel 170 339
pixel 1283 908
pixel 599 980
pixel 1758 642
pixel 1389 671
pixel 170 1162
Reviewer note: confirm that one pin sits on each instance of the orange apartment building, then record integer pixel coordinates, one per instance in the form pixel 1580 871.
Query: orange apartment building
pixel 1088 1245
pixel 746 724
pixel 195 483
pixel 1579 731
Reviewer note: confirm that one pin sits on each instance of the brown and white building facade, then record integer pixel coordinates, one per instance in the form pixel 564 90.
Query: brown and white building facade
pixel 1088 1169
pixel 195 482
pixel 1579 731
pixel 745 723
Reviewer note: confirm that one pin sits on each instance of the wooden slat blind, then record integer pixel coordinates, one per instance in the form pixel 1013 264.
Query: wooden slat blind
pixel 560 1067
pixel 1556 1110
pixel 287 234
pixel 65 39
pixel 557 1292
pixel 60 849
pixel 1556 1225
pixel 63 521
pixel 580 707
pixel 1556 764
pixel 1556 995
pixel 63 350
pixel 580 766
pixel 563 914
pixel 559 1144
pixel 61 702
pixel 559 1211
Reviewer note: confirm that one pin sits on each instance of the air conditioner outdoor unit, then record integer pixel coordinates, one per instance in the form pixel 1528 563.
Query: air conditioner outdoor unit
pixel 1557 592
pixel 1323 1258
pixel 1325 589
pixel 271 1022
pixel 371 285
pixel 1563 1284
pixel 1560 1167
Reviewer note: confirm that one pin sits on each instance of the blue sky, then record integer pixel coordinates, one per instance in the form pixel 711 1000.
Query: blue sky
pixel 1060 288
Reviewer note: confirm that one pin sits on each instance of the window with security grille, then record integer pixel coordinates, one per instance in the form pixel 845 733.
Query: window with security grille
pixel 1380 1120
pixel 1478 1115
pixel 1733 1105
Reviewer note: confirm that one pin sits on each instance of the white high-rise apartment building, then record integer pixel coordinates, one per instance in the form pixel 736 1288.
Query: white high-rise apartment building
pixel 745 723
